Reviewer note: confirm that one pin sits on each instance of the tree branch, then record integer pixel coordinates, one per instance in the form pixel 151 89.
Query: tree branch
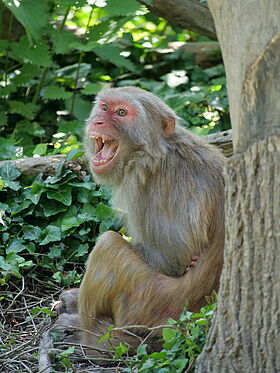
pixel 188 14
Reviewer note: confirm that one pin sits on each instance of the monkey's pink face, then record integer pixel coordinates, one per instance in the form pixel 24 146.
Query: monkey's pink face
pixel 103 130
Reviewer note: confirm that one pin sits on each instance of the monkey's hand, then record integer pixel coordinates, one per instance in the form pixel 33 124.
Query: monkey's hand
pixel 68 302
pixel 194 261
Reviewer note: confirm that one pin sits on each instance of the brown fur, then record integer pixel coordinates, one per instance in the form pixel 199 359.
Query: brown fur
pixel 169 185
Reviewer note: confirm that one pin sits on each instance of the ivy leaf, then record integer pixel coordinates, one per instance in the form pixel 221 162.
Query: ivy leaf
pixel 53 208
pixel 16 246
pixel 63 195
pixel 14 185
pixel 32 233
pixel 9 172
pixel 5 266
pixel 104 212
pixel 32 14
pixel 69 222
pixel 53 233
pixel 111 53
pixel 54 92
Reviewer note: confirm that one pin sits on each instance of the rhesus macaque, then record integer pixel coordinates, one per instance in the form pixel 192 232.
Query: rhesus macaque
pixel 168 184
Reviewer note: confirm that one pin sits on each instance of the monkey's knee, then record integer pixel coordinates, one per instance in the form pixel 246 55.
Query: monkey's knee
pixel 110 237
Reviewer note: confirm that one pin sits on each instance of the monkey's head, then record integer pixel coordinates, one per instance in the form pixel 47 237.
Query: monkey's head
pixel 125 125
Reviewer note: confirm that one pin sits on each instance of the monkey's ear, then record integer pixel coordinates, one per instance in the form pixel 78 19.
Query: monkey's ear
pixel 168 126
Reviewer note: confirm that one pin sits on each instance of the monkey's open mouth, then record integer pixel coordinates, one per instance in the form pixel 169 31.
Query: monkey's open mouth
pixel 105 151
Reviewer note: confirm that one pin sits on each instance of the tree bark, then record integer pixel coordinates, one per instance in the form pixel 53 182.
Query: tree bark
pixel 245 334
pixel 192 15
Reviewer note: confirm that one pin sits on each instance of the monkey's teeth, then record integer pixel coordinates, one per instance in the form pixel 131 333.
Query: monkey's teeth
pixel 101 161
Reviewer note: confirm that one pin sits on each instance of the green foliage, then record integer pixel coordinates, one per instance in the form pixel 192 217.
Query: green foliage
pixel 67 50
pixel 181 345
pixel 49 224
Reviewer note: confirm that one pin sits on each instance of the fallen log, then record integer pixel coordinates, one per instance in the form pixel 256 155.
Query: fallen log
pixel 47 164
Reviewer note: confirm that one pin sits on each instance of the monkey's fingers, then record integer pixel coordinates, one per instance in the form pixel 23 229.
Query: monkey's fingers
pixel 194 261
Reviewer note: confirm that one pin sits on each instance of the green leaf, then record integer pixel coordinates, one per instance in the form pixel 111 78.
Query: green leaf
pixel 70 222
pixel 25 204
pixel 27 110
pixel 15 246
pixel 33 193
pixel 180 364
pixel 168 333
pixel 104 212
pixel 9 172
pixel 52 208
pixel 83 196
pixel 67 352
pixel 40 149
pixel 81 107
pixel 76 3
pixel 63 195
pixel 32 233
pixel 62 40
pixel 14 185
pixel 106 31
pixel 54 92
pixel 38 54
pixel 120 350
pixel 120 8
pixel 3 118
pixel 91 89
pixel 82 250
pixel 74 154
pixel 111 53
pixel 26 73
pixel 53 234
pixel 32 14
pixel 4 265
pixel 3 45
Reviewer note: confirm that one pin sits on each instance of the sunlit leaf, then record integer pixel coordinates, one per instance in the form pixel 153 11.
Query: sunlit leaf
pixel 32 14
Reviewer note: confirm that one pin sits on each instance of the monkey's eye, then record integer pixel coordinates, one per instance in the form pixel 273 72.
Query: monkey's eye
pixel 104 107
pixel 122 112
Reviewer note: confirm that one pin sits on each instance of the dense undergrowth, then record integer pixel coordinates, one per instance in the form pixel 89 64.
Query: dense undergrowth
pixel 55 56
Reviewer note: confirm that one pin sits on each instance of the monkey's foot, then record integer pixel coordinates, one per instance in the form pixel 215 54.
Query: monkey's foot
pixel 68 302
pixel 194 261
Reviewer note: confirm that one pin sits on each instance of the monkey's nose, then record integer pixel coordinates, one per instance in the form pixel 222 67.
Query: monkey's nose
pixel 99 122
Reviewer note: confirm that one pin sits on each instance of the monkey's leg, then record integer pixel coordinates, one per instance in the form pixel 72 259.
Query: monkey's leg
pixel 120 287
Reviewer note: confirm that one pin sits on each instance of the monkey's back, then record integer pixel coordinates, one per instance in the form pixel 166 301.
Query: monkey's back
pixel 176 210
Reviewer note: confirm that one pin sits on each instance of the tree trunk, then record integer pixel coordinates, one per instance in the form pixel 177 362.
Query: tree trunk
pixel 192 15
pixel 245 334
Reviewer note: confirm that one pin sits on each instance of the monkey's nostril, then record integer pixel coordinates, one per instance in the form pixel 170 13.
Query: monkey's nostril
pixel 99 122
